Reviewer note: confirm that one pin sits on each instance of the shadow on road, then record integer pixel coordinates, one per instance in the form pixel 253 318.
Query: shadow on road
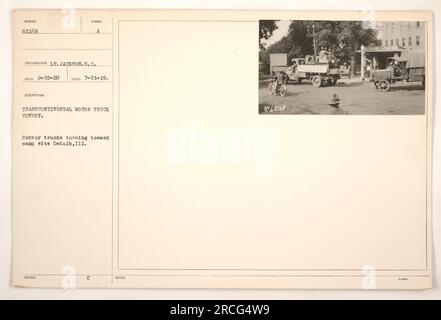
pixel 413 87
pixel 351 84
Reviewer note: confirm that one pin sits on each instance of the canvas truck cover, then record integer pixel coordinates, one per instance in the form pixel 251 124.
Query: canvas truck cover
pixel 415 58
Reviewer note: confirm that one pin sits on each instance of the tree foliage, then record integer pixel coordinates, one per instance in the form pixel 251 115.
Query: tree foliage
pixel 342 38
pixel 266 29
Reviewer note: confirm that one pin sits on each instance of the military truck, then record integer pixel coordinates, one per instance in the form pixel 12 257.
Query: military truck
pixel 409 67
pixel 320 70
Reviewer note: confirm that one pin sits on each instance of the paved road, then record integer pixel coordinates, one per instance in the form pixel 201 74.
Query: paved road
pixel 357 97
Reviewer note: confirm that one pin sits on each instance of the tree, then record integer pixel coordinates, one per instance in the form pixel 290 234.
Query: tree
pixel 352 35
pixel 342 38
pixel 266 29
pixel 264 62
pixel 295 44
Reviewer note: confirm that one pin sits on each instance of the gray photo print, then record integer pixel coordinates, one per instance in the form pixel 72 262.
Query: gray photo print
pixel 342 67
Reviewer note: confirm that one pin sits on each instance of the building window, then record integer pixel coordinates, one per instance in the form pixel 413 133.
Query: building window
pixel 410 41
pixel 391 42
pixel 418 24
pixel 398 42
pixel 387 43
pixel 417 40
pixel 403 42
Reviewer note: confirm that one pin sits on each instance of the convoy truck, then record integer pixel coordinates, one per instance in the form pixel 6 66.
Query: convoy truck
pixel 319 71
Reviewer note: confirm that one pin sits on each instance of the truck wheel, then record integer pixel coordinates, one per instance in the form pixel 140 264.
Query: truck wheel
pixel 383 85
pixel 329 81
pixel 334 81
pixel 299 81
pixel 316 81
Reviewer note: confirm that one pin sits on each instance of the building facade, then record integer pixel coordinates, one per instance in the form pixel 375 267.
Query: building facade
pixel 403 34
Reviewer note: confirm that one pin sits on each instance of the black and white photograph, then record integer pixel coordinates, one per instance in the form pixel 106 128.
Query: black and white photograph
pixel 342 67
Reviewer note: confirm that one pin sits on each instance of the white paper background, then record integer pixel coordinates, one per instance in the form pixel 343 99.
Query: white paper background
pixel 8 292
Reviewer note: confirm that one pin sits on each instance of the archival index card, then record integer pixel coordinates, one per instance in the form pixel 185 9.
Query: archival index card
pixel 222 149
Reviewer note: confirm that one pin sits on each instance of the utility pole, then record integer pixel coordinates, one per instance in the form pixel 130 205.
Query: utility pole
pixel 313 42
pixel 363 61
